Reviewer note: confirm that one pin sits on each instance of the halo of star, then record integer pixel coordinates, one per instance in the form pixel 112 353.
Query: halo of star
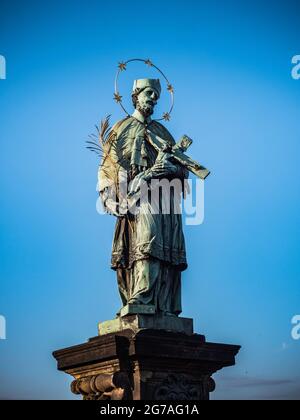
pixel 122 67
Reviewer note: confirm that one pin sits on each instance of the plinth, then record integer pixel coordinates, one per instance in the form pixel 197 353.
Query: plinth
pixel 138 358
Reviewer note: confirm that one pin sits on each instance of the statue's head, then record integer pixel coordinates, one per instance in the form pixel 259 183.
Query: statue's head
pixel 145 94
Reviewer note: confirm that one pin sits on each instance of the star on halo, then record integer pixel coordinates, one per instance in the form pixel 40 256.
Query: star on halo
pixel 122 66
pixel 166 116
pixel 149 62
pixel 170 88
pixel 117 97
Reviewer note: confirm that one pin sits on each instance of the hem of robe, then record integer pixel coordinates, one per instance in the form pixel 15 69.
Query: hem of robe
pixel 121 259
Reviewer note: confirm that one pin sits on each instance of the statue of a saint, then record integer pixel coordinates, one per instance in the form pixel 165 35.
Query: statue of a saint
pixel 148 248
pixel 141 181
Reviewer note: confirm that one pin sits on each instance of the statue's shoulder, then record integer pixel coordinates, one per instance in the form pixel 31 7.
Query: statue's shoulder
pixel 161 131
pixel 121 125
pixel 115 131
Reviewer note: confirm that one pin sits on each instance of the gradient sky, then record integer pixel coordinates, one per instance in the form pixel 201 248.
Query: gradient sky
pixel 230 64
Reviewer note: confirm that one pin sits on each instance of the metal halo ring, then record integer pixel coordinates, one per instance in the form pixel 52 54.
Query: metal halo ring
pixel 118 98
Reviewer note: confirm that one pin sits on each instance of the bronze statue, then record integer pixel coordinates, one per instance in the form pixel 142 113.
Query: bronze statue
pixel 148 252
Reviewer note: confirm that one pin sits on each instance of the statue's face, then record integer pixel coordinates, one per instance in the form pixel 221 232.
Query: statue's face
pixel 146 101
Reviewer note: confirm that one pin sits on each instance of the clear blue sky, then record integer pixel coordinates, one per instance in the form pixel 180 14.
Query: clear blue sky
pixel 230 63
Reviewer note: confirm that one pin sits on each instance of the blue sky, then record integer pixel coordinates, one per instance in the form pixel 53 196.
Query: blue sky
pixel 230 64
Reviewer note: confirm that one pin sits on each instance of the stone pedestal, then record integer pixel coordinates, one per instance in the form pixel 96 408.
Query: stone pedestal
pixel 142 363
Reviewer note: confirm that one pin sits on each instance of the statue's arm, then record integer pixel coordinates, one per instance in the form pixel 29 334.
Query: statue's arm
pixel 166 166
pixel 109 203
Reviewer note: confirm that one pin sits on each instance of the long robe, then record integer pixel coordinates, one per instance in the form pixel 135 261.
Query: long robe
pixel 148 249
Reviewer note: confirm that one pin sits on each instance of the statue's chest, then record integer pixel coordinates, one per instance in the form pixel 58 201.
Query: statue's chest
pixel 137 150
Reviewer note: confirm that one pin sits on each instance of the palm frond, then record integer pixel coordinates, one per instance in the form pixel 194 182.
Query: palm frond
pixel 94 144
pixel 104 130
pixel 94 137
pixel 95 151
pixel 97 140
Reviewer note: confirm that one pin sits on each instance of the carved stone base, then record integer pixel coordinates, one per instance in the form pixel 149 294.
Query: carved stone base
pixel 145 365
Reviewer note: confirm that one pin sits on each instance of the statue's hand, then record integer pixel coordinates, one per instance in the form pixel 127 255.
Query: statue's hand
pixel 163 165
pixel 136 183
pixel 109 203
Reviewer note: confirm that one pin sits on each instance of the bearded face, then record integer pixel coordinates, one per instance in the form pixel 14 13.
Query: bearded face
pixel 146 101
